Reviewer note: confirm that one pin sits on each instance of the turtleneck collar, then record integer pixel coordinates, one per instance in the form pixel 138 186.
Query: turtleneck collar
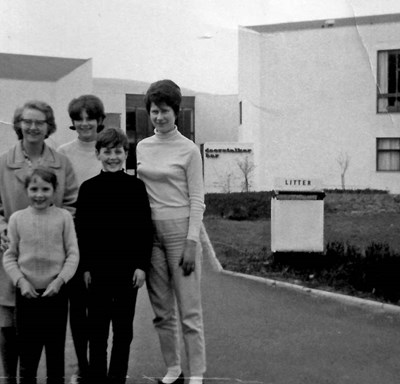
pixel 168 135
pixel 112 174
pixel 86 144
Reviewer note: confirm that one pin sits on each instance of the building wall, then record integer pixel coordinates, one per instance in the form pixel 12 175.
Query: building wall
pixel 216 118
pixel 318 100
pixel 228 167
pixel 249 95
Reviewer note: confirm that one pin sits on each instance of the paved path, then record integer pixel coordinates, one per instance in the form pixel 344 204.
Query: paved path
pixel 260 334
pixel 257 333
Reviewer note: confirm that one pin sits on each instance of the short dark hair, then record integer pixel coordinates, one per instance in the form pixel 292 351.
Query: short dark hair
pixel 45 174
pixel 93 106
pixel 40 106
pixel 164 91
pixel 112 138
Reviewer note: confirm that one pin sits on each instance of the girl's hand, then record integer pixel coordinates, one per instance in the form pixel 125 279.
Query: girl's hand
pixel 27 289
pixel 139 278
pixel 87 277
pixel 188 261
pixel 4 241
pixel 54 287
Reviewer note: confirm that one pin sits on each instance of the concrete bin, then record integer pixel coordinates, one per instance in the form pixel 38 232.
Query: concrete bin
pixel 297 216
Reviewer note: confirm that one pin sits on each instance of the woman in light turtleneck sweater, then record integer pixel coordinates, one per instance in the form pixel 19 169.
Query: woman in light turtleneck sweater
pixel 87 116
pixel 170 166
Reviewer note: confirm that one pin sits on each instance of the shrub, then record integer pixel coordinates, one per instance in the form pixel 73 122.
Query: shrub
pixel 381 268
pixel 344 266
pixel 239 206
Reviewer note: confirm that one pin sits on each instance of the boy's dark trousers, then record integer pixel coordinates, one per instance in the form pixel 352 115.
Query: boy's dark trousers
pixel 42 322
pixel 79 321
pixel 110 301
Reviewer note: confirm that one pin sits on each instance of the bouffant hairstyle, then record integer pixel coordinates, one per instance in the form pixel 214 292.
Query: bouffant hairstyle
pixel 39 106
pixel 112 138
pixel 92 105
pixel 164 91
pixel 45 174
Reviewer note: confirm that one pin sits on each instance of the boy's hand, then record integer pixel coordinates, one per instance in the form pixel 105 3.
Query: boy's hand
pixel 27 289
pixel 54 287
pixel 87 277
pixel 188 260
pixel 139 278
pixel 4 241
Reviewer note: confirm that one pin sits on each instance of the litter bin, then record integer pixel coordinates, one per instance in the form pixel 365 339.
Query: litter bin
pixel 297 216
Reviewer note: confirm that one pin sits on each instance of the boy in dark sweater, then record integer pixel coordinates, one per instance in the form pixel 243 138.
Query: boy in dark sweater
pixel 113 224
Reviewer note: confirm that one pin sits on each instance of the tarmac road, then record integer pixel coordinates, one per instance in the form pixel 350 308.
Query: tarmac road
pixel 259 334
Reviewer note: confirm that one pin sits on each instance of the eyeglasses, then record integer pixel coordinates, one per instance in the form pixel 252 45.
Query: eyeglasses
pixel 38 123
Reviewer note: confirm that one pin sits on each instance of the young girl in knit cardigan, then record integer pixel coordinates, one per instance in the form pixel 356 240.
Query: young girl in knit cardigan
pixel 43 255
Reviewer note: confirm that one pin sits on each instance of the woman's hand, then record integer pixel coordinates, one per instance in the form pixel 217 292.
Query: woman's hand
pixel 27 289
pixel 188 261
pixel 54 287
pixel 87 277
pixel 139 278
pixel 4 241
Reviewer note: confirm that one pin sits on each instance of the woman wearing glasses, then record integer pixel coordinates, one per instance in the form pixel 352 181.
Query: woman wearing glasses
pixel 33 123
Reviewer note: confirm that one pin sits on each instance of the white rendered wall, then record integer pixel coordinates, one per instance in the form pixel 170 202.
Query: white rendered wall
pixel 249 94
pixel 222 173
pixel 318 99
pixel 216 118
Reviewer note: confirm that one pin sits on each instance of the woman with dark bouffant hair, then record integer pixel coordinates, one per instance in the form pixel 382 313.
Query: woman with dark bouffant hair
pixel 170 166
pixel 33 123
pixel 87 117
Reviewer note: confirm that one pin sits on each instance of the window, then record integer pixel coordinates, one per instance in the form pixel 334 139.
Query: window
pixel 240 113
pixel 389 81
pixel 388 154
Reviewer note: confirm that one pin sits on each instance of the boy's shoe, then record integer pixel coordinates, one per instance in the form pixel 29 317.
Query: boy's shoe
pixel 179 380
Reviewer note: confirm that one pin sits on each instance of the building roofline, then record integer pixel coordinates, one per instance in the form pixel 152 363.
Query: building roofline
pixel 36 68
pixel 325 23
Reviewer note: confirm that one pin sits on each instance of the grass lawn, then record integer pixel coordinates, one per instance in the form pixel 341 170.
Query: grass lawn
pixel 359 230
pixel 242 245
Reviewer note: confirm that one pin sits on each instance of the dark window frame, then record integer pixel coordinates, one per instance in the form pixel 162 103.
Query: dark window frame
pixel 388 81
pixel 383 151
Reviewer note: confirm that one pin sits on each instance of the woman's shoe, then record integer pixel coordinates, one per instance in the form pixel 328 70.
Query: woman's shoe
pixel 179 380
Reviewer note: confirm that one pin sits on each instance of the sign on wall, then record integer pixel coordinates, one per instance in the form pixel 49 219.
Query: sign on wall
pixel 228 167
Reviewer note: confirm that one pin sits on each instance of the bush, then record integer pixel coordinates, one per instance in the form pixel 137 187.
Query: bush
pixel 239 206
pixel 344 266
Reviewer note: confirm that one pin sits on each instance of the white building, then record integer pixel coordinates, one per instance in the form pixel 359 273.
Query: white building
pixel 312 93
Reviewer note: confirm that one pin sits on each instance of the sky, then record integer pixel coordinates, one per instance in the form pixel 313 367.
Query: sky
pixel 193 42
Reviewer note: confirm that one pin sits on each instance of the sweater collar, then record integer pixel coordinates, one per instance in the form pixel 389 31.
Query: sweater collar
pixel 110 175
pixel 86 144
pixel 168 135
pixel 16 159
